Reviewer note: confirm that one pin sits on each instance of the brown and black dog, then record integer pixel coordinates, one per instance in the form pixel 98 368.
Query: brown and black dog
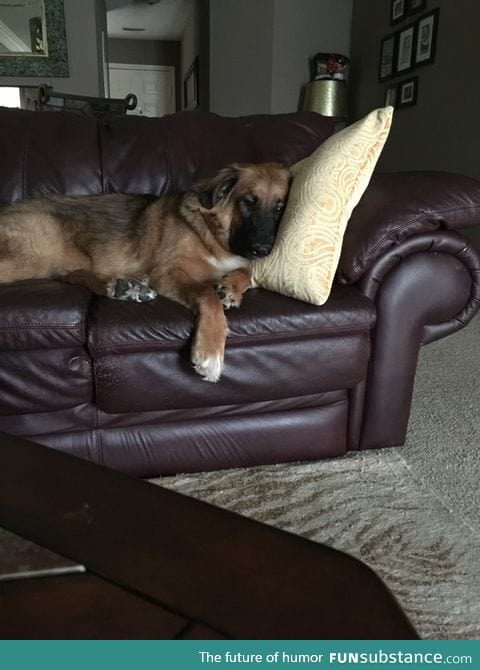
pixel 178 246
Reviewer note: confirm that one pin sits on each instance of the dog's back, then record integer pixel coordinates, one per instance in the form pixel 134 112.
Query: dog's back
pixel 47 237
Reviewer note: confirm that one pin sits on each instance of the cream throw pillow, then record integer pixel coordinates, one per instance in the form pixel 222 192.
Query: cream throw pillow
pixel 326 187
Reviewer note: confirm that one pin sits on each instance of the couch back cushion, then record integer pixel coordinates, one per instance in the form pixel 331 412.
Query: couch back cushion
pixel 167 155
pixel 45 152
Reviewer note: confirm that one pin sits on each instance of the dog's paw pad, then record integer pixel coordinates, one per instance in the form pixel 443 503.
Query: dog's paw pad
pixel 132 290
pixel 226 297
pixel 118 289
pixel 208 367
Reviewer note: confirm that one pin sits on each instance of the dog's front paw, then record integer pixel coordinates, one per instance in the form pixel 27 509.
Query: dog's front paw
pixel 227 296
pixel 208 366
pixel 132 290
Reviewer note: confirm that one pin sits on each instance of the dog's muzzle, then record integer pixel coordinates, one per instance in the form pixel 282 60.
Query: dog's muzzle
pixel 261 250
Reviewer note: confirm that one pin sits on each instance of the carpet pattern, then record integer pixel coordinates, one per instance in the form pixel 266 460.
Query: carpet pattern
pixel 406 512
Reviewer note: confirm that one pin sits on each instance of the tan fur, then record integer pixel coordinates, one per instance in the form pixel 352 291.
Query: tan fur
pixel 175 244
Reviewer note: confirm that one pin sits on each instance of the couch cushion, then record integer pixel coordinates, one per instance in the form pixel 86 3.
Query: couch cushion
pixel 44 153
pixel 277 348
pixel 33 382
pixel 170 153
pixel 43 360
pixel 42 314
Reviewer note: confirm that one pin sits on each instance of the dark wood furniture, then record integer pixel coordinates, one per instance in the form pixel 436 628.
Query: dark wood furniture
pixel 162 565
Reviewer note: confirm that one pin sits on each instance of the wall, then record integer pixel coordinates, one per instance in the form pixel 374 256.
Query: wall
pixel 101 45
pixel 241 36
pixel 147 52
pixel 196 44
pixel 440 131
pixel 302 29
pixel 260 50
pixel 144 52
pixel 83 30
pixel 190 44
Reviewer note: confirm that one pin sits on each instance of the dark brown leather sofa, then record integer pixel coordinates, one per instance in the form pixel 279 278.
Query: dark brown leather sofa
pixel 111 381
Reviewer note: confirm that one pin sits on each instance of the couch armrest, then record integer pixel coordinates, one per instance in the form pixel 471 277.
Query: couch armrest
pixel 423 288
pixel 396 206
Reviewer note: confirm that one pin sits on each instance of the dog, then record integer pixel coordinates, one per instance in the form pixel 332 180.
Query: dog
pixel 194 248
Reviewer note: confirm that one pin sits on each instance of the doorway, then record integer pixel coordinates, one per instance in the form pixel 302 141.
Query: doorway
pixel 154 86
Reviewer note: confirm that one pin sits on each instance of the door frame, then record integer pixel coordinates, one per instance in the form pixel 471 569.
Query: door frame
pixel 152 68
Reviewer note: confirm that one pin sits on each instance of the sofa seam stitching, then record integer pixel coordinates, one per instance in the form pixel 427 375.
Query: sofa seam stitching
pixel 26 326
pixel 174 345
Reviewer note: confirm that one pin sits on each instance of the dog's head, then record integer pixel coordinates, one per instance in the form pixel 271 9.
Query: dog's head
pixel 244 205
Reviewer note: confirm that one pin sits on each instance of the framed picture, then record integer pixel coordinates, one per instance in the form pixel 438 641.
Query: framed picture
pixel 37 43
pixel 386 68
pixel 414 6
pixel 405 49
pixel 391 96
pixel 190 87
pixel 407 92
pixel 427 29
pixel 398 11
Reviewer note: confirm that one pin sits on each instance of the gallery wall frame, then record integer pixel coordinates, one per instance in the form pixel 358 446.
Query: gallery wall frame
pixel 388 57
pixel 391 95
pixel 415 6
pixel 411 46
pixel 398 11
pixel 407 92
pixel 426 37
pixel 406 49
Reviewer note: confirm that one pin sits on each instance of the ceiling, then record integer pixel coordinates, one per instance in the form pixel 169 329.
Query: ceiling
pixel 161 19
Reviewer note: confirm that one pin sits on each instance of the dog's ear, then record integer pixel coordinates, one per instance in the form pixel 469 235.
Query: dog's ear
pixel 211 192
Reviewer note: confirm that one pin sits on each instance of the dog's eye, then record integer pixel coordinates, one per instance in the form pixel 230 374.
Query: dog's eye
pixel 279 208
pixel 250 201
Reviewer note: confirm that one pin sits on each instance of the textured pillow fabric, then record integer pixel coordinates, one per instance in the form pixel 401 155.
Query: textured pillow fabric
pixel 326 187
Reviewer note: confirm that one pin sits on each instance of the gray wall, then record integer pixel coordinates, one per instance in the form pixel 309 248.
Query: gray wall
pixel 260 50
pixel 190 44
pixel 196 43
pixel 241 35
pixel 102 44
pixel 302 29
pixel 440 131
pixel 204 53
pixel 83 32
pixel 143 52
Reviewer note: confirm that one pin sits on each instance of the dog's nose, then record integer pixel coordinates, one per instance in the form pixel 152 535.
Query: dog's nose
pixel 261 250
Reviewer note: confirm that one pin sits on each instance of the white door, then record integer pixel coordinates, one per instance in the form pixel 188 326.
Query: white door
pixel 154 86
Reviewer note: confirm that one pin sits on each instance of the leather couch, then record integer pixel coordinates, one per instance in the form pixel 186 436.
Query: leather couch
pixel 111 381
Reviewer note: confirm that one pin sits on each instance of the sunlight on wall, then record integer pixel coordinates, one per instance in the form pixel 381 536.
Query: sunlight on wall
pixel 9 96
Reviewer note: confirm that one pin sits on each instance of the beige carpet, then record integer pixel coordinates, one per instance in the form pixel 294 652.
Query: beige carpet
pixel 410 513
